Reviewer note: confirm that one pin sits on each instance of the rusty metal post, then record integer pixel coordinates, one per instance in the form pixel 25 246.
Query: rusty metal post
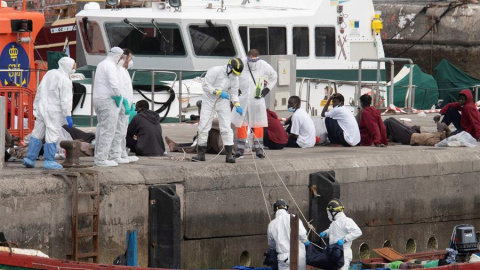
pixel 294 242
pixel 72 149
pixel 2 132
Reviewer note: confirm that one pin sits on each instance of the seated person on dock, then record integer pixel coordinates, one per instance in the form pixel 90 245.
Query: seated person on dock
pixel 342 128
pixel 407 135
pixel 372 129
pixel 468 120
pixel 146 127
pixel 274 135
pixel 301 129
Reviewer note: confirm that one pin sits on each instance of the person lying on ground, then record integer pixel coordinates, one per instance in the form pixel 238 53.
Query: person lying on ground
pixel 342 128
pixel 301 129
pixel 214 142
pixel 399 132
pixel 274 135
pixel 145 126
pixel 468 120
pixel 372 129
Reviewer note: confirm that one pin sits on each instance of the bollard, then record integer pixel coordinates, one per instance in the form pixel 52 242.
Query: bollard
pixel 72 149
pixel 2 132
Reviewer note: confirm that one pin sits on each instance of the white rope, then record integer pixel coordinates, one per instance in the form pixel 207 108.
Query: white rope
pixel 261 186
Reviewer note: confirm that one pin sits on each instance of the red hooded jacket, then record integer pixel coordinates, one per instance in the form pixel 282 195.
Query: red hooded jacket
pixel 275 130
pixel 470 120
pixel 372 129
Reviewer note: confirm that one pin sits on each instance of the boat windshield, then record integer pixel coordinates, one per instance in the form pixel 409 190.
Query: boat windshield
pixel 146 38
pixel 91 36
pixel 212 40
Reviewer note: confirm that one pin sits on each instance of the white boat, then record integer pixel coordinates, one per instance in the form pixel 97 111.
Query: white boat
pixel 327 37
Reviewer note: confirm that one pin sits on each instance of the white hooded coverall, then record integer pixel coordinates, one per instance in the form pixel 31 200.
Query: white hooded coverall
pixel 53 101
pixel 107 84
pixel 254 109
pixel 279 238
pixel 217 78
pixel 343 227
pixel 119 144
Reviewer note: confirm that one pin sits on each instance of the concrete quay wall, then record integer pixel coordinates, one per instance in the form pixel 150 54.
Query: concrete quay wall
pixel 394 194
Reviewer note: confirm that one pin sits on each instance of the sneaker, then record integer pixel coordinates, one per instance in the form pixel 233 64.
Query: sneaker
pixel 237 155
pixel 260 156
pixel 106 163
pixel 133 158
pixel 122 160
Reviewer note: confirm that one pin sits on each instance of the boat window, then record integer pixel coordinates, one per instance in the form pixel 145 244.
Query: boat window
pixel 277 40
pixel 325 41
pixel 212 40
pixel 146 39
pixel 300 41
pixel 268 41
pixel 91 36
pixel 244 37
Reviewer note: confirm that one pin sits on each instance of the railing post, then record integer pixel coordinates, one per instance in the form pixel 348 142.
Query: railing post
pixel 180 97
pixel 153 90
pixel 412 100
pixel 91 98
pixel 2 132
pixel 476 92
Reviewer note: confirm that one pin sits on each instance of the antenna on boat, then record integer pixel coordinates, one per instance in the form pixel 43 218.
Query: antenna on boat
pixel 222 8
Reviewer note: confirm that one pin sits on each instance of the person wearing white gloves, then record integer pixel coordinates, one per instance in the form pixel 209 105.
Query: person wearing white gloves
pixel 51 107
pixel 118 151
pixel 342 230
pixel 255 83
pixel 278 235
pixel 107 98
pixel 220 86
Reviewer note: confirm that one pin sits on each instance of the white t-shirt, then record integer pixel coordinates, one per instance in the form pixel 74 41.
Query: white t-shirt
pixel 303 126
pixel 347 122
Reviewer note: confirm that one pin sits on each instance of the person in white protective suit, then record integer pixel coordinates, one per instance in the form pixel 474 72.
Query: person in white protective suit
pixel 220 86
pixel 118 151
pixel 107 98
pixel 342 230
pixel 255 83
pixel 51 107
pixel 279 237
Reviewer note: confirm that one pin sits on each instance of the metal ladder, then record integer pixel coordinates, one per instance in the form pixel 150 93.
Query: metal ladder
pixel 85 188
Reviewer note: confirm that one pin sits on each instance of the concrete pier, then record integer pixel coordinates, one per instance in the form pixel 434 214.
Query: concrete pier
pixel 402 194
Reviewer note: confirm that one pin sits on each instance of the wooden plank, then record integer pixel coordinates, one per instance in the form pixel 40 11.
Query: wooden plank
pixel 389 253
pixel 294 242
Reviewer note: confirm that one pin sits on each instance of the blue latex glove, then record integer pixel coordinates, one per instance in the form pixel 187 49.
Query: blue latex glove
pixel 307 243
pixel 323 234
pixel 340 242
pixel 126 106
pixel 239 109
pixel 117 99
pixel 70 121
pixel 224 95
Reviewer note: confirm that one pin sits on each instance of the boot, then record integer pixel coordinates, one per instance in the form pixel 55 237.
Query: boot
pixel 240 148
pixel 49 154
pixel 258 144
pixel 33 149
pixel 228 150
pixel 201 154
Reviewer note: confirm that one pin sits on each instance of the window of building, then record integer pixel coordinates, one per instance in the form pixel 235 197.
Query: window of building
pixel 91 36
pixel 166 40
pixel 325 41
pixel 300 41
pixel 212 40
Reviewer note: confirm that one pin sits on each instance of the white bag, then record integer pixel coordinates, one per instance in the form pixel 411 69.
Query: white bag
pixel 320 129
pixel 461 139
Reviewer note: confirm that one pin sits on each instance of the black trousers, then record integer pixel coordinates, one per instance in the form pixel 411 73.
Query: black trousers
pixel 292 142
pixel 271 144
pixel 335 132
pixel 398 131
pixel 453 117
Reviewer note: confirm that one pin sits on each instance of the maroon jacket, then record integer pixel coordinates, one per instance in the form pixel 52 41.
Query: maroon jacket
pixel 372 129
pixel 470 120
pixel 275 130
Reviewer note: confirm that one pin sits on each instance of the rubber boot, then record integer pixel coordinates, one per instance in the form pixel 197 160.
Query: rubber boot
pixel 34 148
pixel 228 150
pixel 201 154
pixel 49 150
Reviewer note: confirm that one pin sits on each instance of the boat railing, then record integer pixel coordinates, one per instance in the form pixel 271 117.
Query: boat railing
pixel 306 82
pixel 2 131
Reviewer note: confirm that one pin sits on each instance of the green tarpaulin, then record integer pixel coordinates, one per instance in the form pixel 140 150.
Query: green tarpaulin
pixel 52 59
pixel 426 90
pixel 451 80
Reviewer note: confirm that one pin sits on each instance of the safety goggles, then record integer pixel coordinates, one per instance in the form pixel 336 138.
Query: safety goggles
pixel 253 59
